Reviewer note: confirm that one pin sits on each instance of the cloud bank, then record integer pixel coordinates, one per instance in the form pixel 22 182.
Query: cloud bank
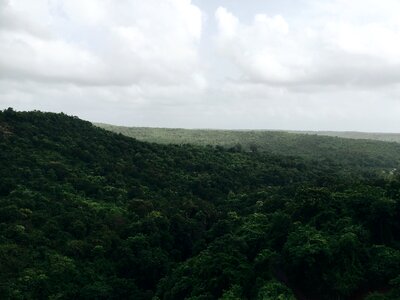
pixel 332 64
pixel 100 42
pixel 339 47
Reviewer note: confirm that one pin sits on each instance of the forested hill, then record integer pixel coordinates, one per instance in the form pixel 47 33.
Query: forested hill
pixel 89 214
pixel 278 142
pixel 379 136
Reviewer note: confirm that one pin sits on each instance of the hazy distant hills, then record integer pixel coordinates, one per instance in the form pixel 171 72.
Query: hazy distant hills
pixel 212 136
pixel 322 145
pixel 386 137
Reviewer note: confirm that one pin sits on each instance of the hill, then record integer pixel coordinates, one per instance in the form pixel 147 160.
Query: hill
pixel 379 136
pixel 89 214
pixel 350 151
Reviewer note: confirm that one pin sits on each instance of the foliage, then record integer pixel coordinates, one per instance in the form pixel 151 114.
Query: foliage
pixel 90 214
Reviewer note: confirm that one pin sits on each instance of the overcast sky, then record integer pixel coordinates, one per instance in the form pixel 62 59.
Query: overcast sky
pixel 256 64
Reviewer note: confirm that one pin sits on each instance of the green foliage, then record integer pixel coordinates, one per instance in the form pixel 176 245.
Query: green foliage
pixel 273 290
pixel 89 214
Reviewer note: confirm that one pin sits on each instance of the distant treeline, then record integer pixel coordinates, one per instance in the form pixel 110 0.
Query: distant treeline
pixel 379 136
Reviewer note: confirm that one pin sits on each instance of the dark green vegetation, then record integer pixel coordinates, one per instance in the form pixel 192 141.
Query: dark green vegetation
pixel 277 142
pixel 89 214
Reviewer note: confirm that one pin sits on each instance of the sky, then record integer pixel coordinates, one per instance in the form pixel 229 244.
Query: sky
pixel 233 64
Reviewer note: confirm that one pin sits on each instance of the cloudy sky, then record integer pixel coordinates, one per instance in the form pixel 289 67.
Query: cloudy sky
pixel 257 64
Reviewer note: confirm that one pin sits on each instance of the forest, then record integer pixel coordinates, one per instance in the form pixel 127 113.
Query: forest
pixel 315 144
pixel 86 213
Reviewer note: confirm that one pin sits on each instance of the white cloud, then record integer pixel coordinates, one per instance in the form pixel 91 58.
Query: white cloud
pixel 227 23
pixel 377 40
pixel 263 50
pixel 335 48
pixel 101 42
pixel 26 56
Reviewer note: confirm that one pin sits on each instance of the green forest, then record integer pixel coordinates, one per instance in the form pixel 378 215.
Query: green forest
pixel 86 213
pixel 322 144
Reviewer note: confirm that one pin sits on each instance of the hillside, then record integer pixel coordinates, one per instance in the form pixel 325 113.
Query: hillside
pixel 385 137
pixel 89 214
pixel 216 136
pixel 350 151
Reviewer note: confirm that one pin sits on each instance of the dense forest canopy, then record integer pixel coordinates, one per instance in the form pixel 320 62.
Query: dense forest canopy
pixel 89 214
